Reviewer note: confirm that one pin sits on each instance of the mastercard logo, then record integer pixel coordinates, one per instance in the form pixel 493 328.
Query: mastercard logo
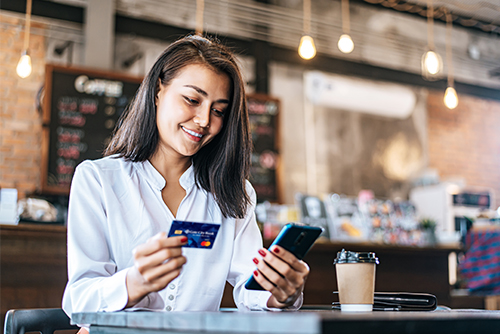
pixel 205 243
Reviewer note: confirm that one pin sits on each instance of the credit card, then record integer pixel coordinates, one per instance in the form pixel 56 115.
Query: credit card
pixel 200 235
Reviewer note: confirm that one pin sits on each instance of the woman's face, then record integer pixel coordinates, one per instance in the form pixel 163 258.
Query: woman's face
pixel 190 109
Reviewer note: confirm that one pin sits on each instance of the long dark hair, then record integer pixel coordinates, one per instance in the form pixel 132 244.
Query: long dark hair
pixel 222 166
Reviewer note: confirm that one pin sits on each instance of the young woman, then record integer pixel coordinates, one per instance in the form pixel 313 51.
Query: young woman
pixel 181 151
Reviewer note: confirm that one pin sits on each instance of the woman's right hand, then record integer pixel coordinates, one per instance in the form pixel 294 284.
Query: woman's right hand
pixel 156 263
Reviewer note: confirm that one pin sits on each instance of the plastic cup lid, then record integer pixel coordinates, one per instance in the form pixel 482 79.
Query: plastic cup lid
pixel 355 257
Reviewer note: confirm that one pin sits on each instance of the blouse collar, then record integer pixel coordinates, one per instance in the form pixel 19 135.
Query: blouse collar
pixel 153 175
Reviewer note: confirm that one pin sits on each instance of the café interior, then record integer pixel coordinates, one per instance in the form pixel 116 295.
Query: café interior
pixel 378 120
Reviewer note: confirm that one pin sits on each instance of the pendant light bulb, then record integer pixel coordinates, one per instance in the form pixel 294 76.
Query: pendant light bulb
pixel 431 63
pixel 345 44
pixel 24 66
pixel 450 98
pixel 307 50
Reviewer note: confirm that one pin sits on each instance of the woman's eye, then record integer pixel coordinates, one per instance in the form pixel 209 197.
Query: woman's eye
pixel 190 101
pixel 218 112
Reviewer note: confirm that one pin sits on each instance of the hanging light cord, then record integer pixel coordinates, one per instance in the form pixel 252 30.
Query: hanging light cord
pixel 28 25
pixel 345 17
pixel 449 58
pixel 430 21
pixel 200 8
pixel 307 17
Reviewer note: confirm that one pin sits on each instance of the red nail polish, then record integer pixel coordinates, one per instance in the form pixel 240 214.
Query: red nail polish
pixel 276 250
pixel 256 273
pixel 261 252
pixel 184 239
pixel 255 261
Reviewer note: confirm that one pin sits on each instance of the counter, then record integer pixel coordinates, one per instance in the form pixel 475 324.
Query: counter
pixel 33 271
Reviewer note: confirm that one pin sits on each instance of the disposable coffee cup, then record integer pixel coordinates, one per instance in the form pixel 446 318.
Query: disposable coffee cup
pixel 355 280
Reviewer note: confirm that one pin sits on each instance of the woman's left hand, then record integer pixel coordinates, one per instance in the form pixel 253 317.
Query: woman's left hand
pixel 282 274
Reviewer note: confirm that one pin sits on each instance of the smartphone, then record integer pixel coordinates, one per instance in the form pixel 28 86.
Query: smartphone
pixel 297 239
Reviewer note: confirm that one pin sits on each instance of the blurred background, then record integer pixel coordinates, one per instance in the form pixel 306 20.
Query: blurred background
pixel 364 132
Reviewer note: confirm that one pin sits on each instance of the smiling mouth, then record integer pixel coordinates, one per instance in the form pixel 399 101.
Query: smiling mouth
pixel 192 133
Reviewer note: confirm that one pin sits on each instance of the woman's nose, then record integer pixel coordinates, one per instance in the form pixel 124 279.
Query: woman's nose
pixel 202 117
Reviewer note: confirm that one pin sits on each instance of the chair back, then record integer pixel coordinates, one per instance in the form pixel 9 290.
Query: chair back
pixel 44 320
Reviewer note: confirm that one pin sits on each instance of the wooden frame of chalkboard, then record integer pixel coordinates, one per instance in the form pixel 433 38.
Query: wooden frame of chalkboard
pixel 266 170
pixel 81 107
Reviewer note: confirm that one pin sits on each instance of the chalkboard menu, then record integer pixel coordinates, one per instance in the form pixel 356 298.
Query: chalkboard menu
pixel 265 176
pixel 81 109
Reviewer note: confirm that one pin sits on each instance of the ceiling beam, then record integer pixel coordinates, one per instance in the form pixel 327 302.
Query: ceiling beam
pixel 48 9
pixel 417 11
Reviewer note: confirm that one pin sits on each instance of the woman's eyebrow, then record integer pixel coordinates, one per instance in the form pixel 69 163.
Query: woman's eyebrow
pixel 202 92
pixel 198 89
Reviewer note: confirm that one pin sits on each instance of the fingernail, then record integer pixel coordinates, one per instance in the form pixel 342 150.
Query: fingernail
pixel 261 252
pixel 184 239
pixel 255 261
pixel 256 273
pixel 276 250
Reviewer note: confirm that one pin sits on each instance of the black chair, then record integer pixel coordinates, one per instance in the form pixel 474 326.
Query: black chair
pixel 44 320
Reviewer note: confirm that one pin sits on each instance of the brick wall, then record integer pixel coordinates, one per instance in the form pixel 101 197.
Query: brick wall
pixel 20 122
pixel 465 142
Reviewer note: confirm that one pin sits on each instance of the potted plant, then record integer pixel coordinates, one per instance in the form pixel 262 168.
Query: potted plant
pixel 428 227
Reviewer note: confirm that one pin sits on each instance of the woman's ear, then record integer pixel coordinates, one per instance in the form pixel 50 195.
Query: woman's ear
pixel 157 91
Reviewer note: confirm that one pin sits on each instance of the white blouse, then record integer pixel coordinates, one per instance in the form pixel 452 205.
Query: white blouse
pixel 116 205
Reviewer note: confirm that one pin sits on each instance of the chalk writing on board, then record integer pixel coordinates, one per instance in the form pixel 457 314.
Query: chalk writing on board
pixel 81 110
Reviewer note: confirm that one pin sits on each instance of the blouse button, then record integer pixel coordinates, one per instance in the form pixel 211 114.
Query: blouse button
pixel 171 297
pixel 172 286
pixel 169 308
